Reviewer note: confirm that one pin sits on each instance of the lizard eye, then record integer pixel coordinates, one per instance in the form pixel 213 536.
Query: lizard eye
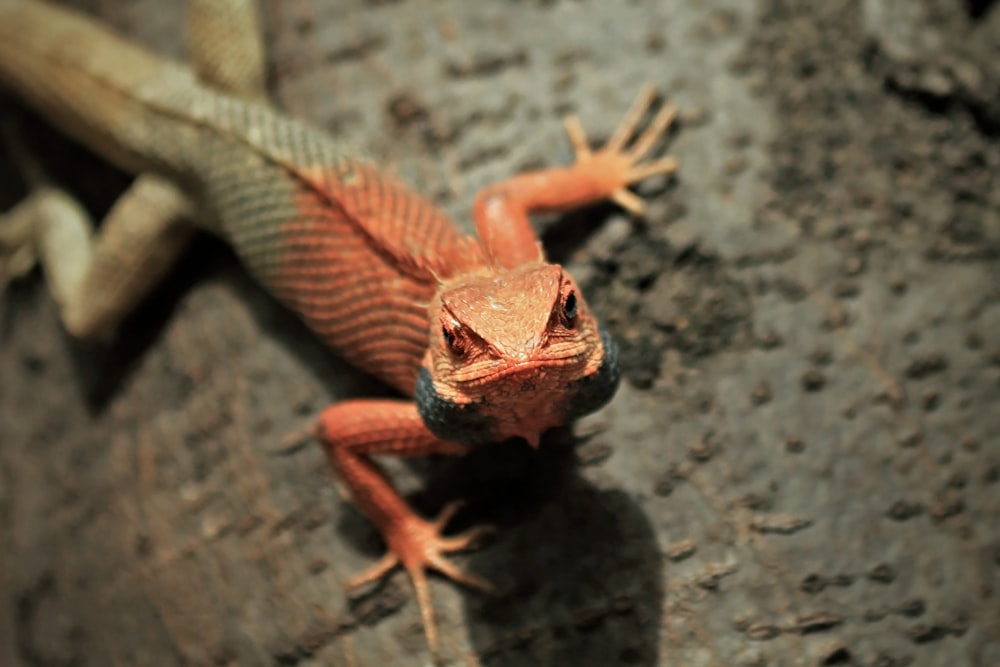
pixel 569 308
pixel 454 342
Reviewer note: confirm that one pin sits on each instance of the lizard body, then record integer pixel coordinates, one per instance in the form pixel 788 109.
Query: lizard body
pixel 490 339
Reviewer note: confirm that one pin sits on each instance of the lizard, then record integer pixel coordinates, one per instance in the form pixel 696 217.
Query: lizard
pixel 483 337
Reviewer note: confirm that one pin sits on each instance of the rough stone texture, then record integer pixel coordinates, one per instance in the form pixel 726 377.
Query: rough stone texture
pixel 802 468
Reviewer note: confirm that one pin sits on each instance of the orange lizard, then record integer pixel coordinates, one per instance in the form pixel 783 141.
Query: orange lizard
pixel 491 340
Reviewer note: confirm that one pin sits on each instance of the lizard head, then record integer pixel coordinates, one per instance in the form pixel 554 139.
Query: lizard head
pixel 513 353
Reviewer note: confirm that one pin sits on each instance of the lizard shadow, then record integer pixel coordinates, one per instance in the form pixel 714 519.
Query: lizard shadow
pixel 578 568
pixel 564 234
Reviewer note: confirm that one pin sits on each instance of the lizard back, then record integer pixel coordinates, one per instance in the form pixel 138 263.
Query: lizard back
pixel 355 253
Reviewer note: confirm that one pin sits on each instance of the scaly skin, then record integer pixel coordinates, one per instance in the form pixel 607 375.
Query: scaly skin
pixel 492 340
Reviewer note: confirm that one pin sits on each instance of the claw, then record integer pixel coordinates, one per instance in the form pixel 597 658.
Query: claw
pixel 623 163
pixel 417 545
pixel 18 254
pixel 19 226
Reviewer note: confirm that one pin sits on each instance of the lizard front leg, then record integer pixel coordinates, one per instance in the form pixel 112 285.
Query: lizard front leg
pixel 354 431
pixel 501 210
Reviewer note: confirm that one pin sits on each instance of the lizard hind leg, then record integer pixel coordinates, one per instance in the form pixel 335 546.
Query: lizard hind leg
pixel 20 229
pixel 95 277
pixel 95 280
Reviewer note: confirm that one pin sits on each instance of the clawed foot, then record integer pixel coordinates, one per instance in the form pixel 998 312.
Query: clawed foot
pixel 18 251
pixel 626 162
pixel 417 545
pixel 19 227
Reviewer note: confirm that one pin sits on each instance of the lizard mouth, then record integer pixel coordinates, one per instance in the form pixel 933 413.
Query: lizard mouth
pixel 476 377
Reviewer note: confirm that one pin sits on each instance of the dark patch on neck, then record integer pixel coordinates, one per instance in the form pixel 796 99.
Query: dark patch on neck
pixel 594 391
pixel 449 420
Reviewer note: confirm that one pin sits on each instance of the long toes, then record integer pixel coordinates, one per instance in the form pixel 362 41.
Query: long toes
pixel 629 201
pixel 423 592
pixel 449 511
pixel 375 572
pixel 667 165
pixel 577 137
pixel 421 547
pixel 453 572
pixel 465 540
pixel 626 128
pixel 653 132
